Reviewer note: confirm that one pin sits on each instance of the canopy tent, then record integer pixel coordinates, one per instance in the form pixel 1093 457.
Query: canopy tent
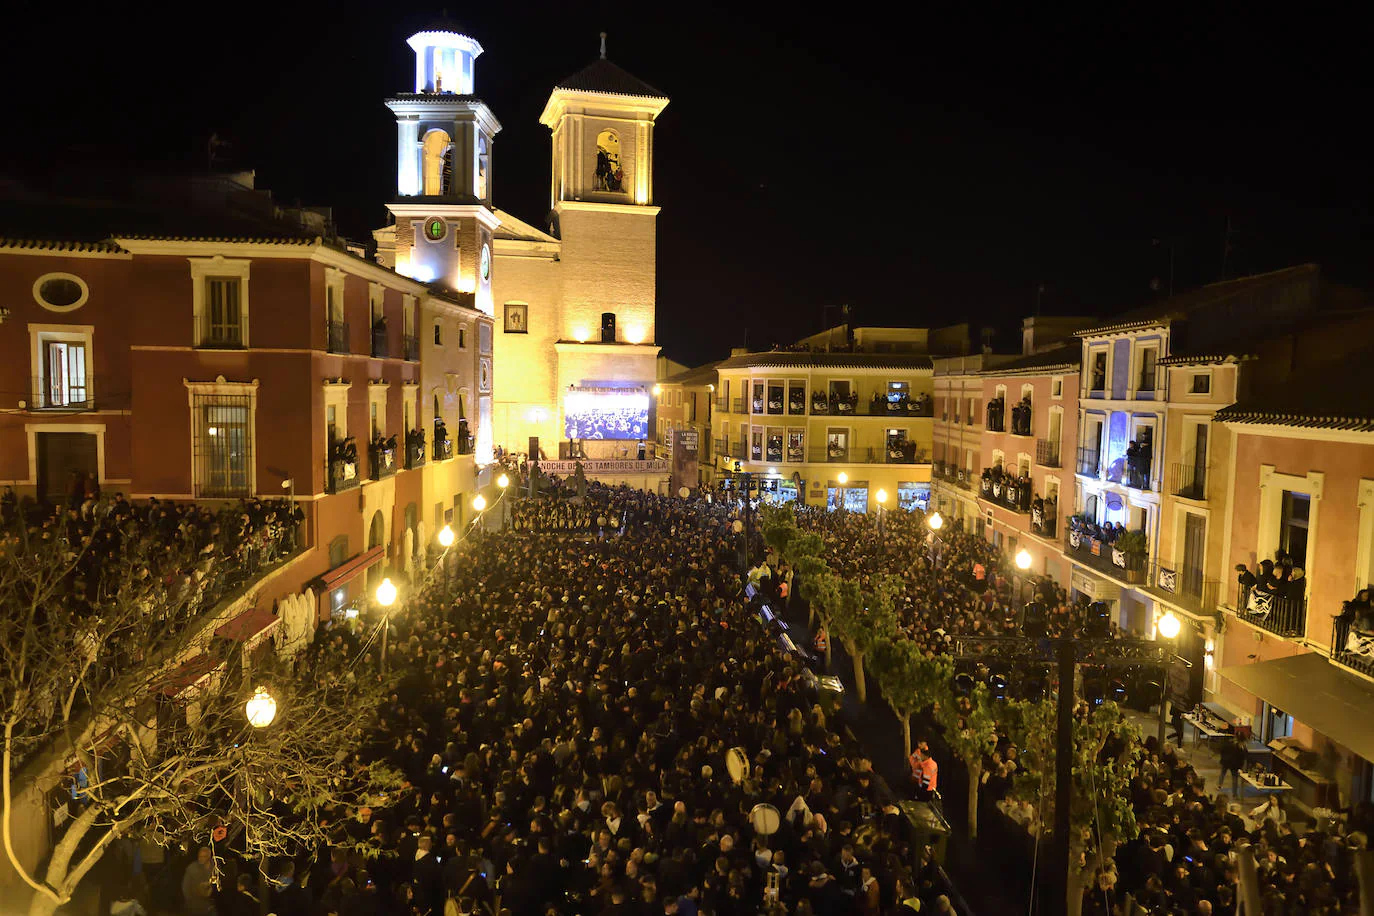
pixel 1315 692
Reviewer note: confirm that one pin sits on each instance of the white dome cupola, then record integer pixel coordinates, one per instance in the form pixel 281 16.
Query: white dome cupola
pixel 444 60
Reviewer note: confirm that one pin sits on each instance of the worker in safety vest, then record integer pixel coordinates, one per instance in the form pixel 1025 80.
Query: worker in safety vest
pixel 821 642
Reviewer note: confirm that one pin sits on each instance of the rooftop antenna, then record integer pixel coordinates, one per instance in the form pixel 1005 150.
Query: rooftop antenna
pixel 603 45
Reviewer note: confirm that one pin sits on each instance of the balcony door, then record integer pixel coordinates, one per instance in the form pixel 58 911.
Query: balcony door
pixel 1194 553
pixel 65 365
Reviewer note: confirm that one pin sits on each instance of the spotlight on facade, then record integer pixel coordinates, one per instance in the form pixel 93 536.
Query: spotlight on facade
pixel 1023 559
pixel 261 708
pixel 581 335
pixel 635 334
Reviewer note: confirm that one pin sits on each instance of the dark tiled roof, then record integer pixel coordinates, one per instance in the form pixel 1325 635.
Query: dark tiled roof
pixel 793 360
pixel 701 375
pixel 1069 355
pixel 434 98
pixel 1330 396
pixel 603 76
pixel 45 245
pixel 1203 359
pixel 1180 305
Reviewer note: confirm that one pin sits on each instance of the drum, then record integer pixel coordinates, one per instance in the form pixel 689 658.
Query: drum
pixel 765 819
pixel 736 764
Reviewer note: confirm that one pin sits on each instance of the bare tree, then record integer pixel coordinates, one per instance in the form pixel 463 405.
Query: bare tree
pixel 109 671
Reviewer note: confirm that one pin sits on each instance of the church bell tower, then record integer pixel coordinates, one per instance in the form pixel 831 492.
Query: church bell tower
pixel 444 221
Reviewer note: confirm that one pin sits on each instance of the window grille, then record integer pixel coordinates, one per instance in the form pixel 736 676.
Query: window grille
pixel 223 446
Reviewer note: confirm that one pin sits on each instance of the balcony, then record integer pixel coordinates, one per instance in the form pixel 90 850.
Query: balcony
pixel 1352 647
pixel 796 404
pixel 381 458
pixel 721 446
pixel 1089 462
pixel 1047 453
pixel 1147 382
pixel 756 407
pixel 443 447
pixel 1286 617
pixel 1096 553
pixel 465 444
pixel 211 335
pixel 379 349
pixel 905 453
pixel 342 473
pixel 1044 521
pixel 416 453
pixel 723 405
pixel 410 348
pixel 1005 493
pixel 1188 480
pixel 336 334
pixel 920 406
pixel 738 406
pixel 1022 418
pixel 1188 590
pixel 63 394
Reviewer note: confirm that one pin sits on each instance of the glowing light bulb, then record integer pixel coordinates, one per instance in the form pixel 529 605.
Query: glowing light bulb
pixel 446 536
pixel 386 593
pixel 261 708
pixel 1023 559
pixel 843 478
pixel 935 522
pixel 479 502
pixel 1168 625
pixel 881 496
pixel 503 481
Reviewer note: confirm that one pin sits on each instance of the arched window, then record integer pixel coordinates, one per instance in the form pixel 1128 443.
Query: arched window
pixel 377 532
pixel 483 162
pixel 437 414
pixel 437 169
pixel 609 175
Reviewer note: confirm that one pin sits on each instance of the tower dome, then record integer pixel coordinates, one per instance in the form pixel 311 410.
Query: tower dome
pixel 444 59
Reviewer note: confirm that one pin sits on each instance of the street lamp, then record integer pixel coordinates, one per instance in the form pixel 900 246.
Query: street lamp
pixel 445 541
pixel 881 497
pixel 503 481
pixel 261 708
pixel 386 597
pixel 479 503
pixel 1167 627
pixel 935 522
pixel 1023 559
pixel 446 537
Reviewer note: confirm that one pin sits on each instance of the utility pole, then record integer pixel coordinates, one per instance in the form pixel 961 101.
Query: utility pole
pixel 1067 657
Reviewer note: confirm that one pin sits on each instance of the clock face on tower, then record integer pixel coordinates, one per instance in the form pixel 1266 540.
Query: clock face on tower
pixel 486 263
pixel 435 229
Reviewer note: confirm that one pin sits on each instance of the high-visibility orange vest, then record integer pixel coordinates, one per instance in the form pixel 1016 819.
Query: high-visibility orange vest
pixel 821 642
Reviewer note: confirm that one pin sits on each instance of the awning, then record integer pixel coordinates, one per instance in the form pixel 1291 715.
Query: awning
pixel 249 627
pixel 189 674
pixel 1315 692
pixel 350 568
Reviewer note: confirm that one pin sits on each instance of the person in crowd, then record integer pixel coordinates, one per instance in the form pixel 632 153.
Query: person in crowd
pixel 198 883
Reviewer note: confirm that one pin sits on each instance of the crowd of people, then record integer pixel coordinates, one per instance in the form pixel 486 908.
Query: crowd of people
pixel 565 728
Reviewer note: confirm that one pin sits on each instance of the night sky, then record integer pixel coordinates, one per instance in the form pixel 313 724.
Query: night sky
pixel 923 169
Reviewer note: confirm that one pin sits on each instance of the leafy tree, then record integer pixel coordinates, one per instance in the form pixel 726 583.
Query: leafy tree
pixel 969 725
pixel 1105 747
pixel 804 552
pixel 911 680
pixel 859 620
pixel 101 641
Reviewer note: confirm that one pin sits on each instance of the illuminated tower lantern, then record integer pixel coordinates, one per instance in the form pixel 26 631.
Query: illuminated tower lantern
pixel 444 222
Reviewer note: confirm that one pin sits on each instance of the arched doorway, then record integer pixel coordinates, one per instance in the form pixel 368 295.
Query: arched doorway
pixel 376 537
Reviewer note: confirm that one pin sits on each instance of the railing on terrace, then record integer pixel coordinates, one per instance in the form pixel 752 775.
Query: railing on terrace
pixel 1047 453
pixel 410 347
pixel 1044 522
pixel 379 350
pixel 336 333
pixel 1280 615
pixel 465 444
pixel 342 475
pixel 1188 480
pixel 382 460
pixel 443 449
pixel 213 335
pixel 723 405
pixel 1005 494
pixel 907 454
pixel 1184 587
pixel 416 453
pixel 738 406
pixel 63 394
pixel 1098 554
pixel 1089 462
pixel 1351 646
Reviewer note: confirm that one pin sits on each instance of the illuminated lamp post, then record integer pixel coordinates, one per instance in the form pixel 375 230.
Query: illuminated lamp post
pixel 445 541
pixel 935 523
pixel 503 481
pixel 261 708
pixel 841 478
pixel 1167 627
pixel 1023 563
pixel 386 597
pixel 881 497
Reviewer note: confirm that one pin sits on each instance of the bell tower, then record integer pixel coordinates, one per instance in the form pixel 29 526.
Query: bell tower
pixel 602 121
pixel 444 221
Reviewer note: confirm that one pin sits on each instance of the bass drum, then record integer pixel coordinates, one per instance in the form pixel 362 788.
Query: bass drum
pixel 765 819
pixel 736 764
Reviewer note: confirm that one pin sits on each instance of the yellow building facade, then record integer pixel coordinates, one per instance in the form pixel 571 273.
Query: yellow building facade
pixel 828 428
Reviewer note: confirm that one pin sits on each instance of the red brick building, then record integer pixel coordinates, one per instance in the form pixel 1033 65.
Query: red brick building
pixel 196 342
